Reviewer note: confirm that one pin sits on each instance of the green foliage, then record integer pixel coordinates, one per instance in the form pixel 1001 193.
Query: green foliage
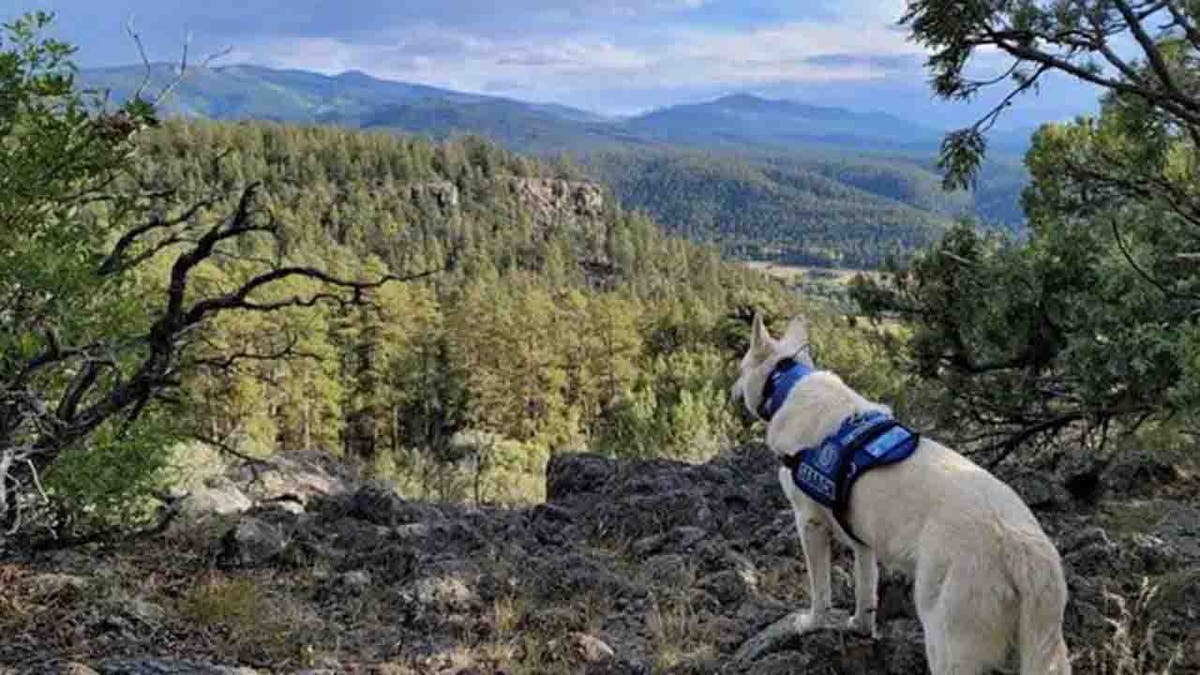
pixel 1087 326
pixel 110 481
pixel 675 409
pixel 56 154
pixel 1144 53
pixel 59 155
pixel 960 158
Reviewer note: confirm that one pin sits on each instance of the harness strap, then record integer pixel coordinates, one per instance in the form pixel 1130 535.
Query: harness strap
pixel 843 479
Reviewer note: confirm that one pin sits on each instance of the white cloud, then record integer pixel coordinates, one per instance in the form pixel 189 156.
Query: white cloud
pixel 549 67
pixel 795 41
pixel 869 11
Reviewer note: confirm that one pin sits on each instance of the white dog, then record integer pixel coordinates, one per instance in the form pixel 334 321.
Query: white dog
pixel 986 576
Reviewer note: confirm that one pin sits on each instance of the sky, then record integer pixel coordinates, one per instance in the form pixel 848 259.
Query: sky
pixel 609 56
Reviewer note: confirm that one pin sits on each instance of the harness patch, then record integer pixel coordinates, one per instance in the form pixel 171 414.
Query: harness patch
pixel 827 472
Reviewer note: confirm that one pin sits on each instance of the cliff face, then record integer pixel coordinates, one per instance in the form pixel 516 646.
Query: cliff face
pixel 630 567
pixel 552 197
pixel 546 199
pixel 556 208
pixel 573 210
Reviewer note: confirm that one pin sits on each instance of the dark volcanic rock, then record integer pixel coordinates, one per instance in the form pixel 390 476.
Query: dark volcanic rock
pixel 253 542
pixel 639 567
pixel 572 475
pixel 781 648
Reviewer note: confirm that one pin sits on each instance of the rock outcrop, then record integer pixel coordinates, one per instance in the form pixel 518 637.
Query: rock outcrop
pixel 549 196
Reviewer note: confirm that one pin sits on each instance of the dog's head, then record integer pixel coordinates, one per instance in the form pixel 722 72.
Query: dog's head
pixel 764 352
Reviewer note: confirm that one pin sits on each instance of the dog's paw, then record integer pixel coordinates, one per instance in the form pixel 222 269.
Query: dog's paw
pixel 810 621
pixel 863 624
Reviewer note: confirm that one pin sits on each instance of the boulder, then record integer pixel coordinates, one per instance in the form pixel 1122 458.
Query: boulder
pixel 898 650
pixel 570 475
pixel 253 542
pixel 221 497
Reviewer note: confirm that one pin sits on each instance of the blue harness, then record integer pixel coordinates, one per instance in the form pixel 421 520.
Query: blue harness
pixel 864 441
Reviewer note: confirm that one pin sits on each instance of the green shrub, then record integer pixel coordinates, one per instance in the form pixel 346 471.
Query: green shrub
pixel 111 479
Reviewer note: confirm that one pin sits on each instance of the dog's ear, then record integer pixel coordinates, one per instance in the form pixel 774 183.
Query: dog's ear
pixel 760 339
pixel 796 335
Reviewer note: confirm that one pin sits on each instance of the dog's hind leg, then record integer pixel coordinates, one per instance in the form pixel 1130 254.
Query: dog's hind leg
pixel 952 650
pixel 967 613
pixel 866 580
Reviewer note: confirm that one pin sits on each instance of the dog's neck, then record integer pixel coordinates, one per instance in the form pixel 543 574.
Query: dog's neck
pixel 814 410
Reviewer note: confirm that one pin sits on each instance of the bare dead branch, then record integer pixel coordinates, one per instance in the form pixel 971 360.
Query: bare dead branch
pixel 115 262
pixel 229 360
pixel 146 65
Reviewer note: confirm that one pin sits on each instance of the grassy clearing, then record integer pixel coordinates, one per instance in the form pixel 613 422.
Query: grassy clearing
pixel 829 286
pixel 794 274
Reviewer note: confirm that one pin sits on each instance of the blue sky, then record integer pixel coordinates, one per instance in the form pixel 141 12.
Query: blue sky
pixel 612 56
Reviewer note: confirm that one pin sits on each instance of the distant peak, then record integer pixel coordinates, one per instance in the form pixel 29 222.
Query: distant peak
pixel 740 97
pixel 743 98
pixel 354 75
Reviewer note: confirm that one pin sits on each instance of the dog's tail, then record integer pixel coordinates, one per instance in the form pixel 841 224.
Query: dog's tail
pixel 1037 572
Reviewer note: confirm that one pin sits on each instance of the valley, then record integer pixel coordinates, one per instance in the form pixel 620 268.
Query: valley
pixel 760 178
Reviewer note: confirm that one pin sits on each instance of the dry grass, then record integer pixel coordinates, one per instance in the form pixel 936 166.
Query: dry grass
pixel 17 601
pixel 248 621
pixel 529 639
pixel 840 276
pixel 677 636
pixel 787 583
pixel 1134 646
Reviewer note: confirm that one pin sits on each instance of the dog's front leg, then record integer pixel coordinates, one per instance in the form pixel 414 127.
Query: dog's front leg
pixel 866 581
pixel 815 538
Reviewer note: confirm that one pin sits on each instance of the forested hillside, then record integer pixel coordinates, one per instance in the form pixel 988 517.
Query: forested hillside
pixel 778 209
pixel 562 321
pixel 881 189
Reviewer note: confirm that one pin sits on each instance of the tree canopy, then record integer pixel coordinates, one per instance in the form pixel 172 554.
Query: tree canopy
pixel 1088 327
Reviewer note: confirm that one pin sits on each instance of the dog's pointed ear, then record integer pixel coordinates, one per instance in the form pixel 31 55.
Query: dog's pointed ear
pixel 796 334
pixel 760 339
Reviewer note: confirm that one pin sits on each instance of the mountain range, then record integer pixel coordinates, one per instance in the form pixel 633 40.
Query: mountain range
pixel 762 177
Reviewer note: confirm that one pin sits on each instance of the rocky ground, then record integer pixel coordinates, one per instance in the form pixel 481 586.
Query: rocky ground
pixel 630 567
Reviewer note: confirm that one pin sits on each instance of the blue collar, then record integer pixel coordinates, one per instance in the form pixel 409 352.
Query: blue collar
pixel 785 375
